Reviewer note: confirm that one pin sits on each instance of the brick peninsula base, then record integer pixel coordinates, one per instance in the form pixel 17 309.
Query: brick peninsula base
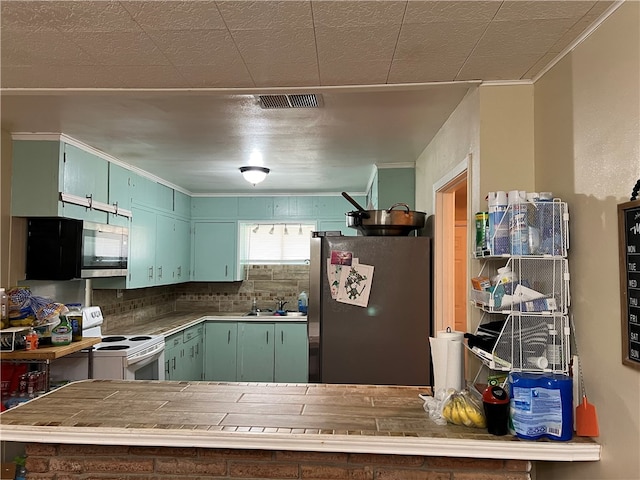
pixel 143 430
pixel 80 462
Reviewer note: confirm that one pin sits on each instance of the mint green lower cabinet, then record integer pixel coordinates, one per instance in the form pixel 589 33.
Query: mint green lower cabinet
pixel 220 351
pixel 256 346
pixel 173 357
pixel 291 353
pixel 193 347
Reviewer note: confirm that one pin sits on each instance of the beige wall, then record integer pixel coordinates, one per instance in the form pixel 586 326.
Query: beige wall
pixel 458 137
pixel 5 205
pixel 587 151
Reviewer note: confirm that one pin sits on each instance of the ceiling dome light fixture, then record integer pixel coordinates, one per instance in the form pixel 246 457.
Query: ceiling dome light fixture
pixel 254 175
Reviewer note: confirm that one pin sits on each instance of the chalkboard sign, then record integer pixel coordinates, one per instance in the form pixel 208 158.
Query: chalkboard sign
pixel 629 238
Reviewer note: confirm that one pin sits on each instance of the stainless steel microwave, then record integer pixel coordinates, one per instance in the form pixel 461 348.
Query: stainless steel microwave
pixel 64 249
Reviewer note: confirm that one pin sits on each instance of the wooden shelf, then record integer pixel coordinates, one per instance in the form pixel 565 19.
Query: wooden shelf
pixel 50 352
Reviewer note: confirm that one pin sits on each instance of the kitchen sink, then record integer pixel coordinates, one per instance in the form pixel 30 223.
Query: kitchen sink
pixel 273 314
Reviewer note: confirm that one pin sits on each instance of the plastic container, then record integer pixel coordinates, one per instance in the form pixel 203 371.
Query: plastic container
pixel 74 316
pixel 303 302
pixel 541 406
pixel 518 223
pixel 498 223
pixel 495 400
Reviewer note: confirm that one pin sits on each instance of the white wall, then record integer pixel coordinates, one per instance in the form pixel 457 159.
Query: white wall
pixel 587 150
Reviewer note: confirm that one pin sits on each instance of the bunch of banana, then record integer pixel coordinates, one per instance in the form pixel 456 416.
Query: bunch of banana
pixel 460 409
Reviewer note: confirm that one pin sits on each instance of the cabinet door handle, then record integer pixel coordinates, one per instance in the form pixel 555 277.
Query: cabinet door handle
pixel 267 337
pixel 150 273
pixel 197 349
pixel 226 270
pixel 192 352
pixel 229 336
pixel 160 271
pixel 174 362
pixel 282 336
pixel 166 367
pixel 179 270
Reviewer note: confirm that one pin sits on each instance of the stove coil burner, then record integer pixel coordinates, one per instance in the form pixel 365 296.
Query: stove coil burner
pixel 114 347
pixel 113 339
pixel 139 339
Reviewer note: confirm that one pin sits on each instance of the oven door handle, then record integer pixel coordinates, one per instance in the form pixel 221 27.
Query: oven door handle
pixel 146 357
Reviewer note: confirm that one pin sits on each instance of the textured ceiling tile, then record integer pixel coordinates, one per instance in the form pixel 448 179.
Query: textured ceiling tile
pixel 356 44
pixel 23 16
pixel 353 73
pixel 202 47
pixel 246 15
pixel 283 45
pixel 125 48
pixel 498 67
pixel 343 14
pixel 42 48
pixel 303 74
pixel 452 11
pixel 142 76
pixel 536 9
pixel 174 15
pixel 78 76
pixel 88 16
pixel 436 69
pixel 426 41
pixel 229 76
pixel 519 36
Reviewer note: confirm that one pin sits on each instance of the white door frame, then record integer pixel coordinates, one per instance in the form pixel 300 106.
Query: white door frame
pixel 444 246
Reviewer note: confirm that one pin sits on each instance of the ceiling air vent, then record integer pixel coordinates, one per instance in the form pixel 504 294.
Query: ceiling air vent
pixel 308 100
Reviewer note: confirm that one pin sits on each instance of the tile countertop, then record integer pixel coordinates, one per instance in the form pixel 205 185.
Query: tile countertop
pixel 171 323
pixel 301 417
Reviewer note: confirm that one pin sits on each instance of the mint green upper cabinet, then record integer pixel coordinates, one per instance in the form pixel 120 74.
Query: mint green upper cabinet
pixel 85 175
pixel 36 178
pixel 207 208
pixel 255 352
pixel 120 188
pixel 294 207
pixel 182 204
pixel 396 185
pixel 182 250
pixel 291 353
pixel 166 253
pixel 256 208
pixel 335 207
pixel 215 251
pixel 220 351
pixel 152 194
pixel 42 170
pixel 142 254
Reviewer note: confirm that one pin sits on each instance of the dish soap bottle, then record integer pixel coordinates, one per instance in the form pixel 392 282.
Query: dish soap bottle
pixel 62 333
pixel 303 302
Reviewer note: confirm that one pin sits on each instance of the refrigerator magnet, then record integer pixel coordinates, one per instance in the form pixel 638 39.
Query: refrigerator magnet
pixel 339 257
pixel 355 284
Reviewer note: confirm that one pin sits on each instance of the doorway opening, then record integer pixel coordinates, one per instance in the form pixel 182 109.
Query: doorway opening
pixel 451 252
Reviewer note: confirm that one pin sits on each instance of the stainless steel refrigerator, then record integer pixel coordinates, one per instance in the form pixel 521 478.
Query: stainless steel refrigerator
pixel 386 342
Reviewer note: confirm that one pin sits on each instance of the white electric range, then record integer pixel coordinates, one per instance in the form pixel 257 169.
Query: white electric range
pixel 116 357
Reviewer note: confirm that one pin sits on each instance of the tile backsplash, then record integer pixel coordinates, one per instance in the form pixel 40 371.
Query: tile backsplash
pixel 266 283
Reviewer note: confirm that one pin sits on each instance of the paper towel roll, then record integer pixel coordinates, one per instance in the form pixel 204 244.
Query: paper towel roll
pixel 447 357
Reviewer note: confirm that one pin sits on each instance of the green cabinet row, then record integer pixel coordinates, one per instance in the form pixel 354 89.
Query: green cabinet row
pixel 256 352
pixel 173 237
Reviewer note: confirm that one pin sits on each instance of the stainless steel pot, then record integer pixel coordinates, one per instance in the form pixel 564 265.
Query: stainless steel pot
pixel 388 222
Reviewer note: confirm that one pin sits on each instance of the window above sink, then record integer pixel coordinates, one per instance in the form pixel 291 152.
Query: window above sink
pixel 275 243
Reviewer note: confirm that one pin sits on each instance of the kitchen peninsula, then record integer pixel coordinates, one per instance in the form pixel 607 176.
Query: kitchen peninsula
pixel 261 430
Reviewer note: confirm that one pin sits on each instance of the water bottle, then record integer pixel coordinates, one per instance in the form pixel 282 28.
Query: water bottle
pixel 498 223
pixel 303 302
pixel 518 223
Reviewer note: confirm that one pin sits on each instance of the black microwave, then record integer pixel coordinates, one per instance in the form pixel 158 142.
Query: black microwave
pixel 65 249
